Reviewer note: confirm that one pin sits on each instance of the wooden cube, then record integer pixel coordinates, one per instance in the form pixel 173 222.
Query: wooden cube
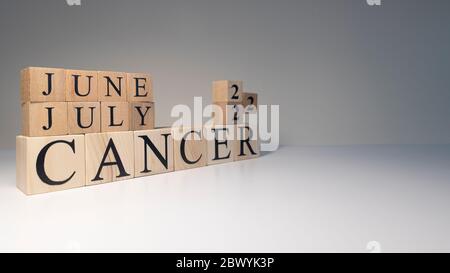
pixel 112 86
pixel 83 117
pixel 109 157
pixel 142 116
pixel 41 84
pixel 189 148
pixel 47 164
pixel 139 87
pixel 249 101
pixel 227 91
pixel 220 141
pixel 114 116
pixel 153 152
pixel 228 113
pixel 81 85
pixel 44 118
pixel 247 143
pixel 250 104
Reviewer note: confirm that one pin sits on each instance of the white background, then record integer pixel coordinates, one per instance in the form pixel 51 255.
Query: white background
pixel 298 199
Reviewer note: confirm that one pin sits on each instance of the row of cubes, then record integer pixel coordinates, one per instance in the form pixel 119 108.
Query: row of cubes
pixel 62 118
pixel 52 163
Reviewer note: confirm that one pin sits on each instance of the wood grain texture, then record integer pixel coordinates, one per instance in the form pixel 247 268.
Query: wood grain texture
pixel 114 116
pixel 112 86
pixel 44 118
pixel 189 148
pixel 47 164
pixel 227 91
pixel 247 143
pixel 109 157
pixel 42 84
pixel 147 161
pixel 139 87
pixel 142 115
pixel 81 85
pixel 83 117
pixel 220 141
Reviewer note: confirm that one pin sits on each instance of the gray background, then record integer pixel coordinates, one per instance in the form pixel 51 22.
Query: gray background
pixel 342 72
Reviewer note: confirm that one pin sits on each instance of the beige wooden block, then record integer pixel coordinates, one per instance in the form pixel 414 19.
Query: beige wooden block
pixel 250 101
pixel 83 117
pixel 44 118
pixel 47 164
pixel 109 157
pixel 220 141
pixel 81 85
pixel 41 84
pixel 247 143
pixel 189 148
pixel 153 152
pixel 112 86
pixel 114 116
pixel 227 113
pixel 140 87
pixel 142 115
pixel 227 91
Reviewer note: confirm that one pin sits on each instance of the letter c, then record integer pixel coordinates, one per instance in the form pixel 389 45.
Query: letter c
pixel 40 163
pixel 183 148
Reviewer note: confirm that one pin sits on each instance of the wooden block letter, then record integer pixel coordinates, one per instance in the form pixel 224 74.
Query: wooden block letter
pixel 114 116
pixel 46 164
pixel 189 148
pixel 247 143
pixel 227 91
pixel 139 87
pixel 81 85
pixel 142 116
pixel 153 152
pixel 109 157
pixel 83 117
pixel 220 143
pixel 112 86
pixel 40 84
pixel 44 118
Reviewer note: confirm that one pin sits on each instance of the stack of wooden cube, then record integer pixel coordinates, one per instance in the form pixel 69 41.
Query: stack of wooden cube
pixel 61 102
pixel 235 107
pixel 83 128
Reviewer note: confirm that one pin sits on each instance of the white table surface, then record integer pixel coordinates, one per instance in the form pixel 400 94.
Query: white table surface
pixel 297 199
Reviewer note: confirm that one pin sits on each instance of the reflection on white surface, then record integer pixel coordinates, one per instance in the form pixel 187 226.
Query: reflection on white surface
pixel 294 200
